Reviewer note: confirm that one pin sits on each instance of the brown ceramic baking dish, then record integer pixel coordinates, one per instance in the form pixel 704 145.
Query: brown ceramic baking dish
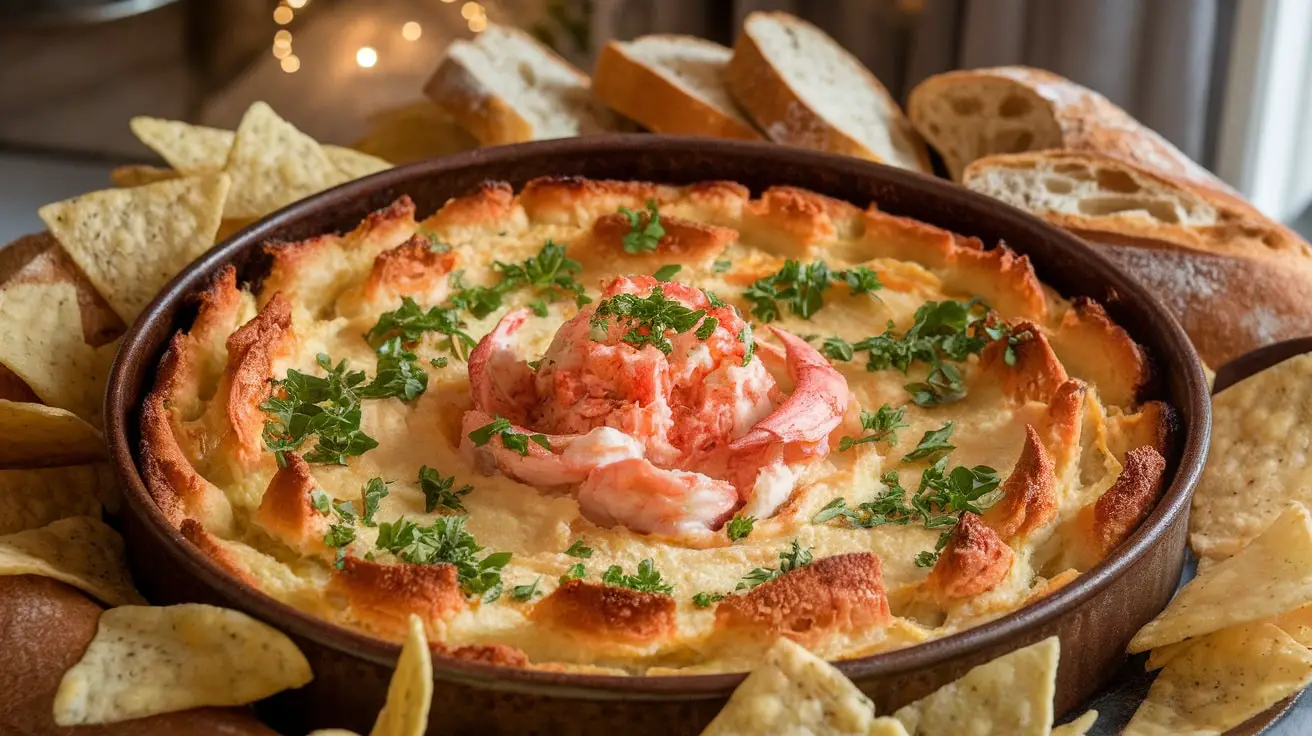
pixel 1095 616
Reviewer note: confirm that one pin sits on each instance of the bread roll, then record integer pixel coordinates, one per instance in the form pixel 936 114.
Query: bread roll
pixel 671 84
pixel 1234 279
pixel 803 89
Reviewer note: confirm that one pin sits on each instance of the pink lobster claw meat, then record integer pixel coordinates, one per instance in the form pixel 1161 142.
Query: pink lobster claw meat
pixel 815 408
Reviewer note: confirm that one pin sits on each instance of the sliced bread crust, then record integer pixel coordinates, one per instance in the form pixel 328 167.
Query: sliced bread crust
pixel 1235 280
pixel 506 87
pixel 671 84
pixel 969 114
pixel 803 89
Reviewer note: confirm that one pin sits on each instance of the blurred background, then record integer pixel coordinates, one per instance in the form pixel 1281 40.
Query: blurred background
pixel 1228 81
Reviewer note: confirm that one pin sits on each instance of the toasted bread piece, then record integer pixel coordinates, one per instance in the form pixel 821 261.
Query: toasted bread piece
pixel 803 89
pixel 671 84
pixel 505 87
pixel 1235 279
pixel 45 626
pixel 969 114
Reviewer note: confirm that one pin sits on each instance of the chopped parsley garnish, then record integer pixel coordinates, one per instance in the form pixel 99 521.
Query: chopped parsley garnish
pixel 739 527
pixel 715 301
pixel 705 600
pixel 647 318
pixel 524 593
pixel 446 541
pixel 439 491
pixel 939 501
pixel 721 266
pixel 707 329
pixel 926 558
pixel 538 307
pixel 932 443
pixel 882 426
pixel 409 322
pixel 579 549
pixel 320 501
pixel 667 272
pixel 374 491
pixel 745 337
pixel 941 332
pixel 790 559
pixel 550 272
pixel 304 405
pixel 645 233
pixel 346 510
pixel 647 580
pixel 438 362
pixel 836 348
pixel 398 374
pixel 801 288
pixel 510 439
pixel 574 572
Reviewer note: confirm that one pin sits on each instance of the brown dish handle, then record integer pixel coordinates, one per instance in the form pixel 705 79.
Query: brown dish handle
pixel 1256 361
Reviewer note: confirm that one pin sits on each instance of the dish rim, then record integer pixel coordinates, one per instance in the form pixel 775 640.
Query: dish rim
pixel 1019 625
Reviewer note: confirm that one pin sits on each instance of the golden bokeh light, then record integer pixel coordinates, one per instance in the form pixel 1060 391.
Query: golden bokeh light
pixel 472 10
pixel 290 64
pixel 479 24
pixel 297 3
pixel 282 15
pixel 282 38
pixel 411 31
pixel 366 57
pixel 281 52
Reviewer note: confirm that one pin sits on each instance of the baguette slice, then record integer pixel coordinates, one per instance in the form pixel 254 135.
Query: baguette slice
pixel 671 84
pixel 1235 280
pixel 803 89
pixel 505 87
pixel 966 115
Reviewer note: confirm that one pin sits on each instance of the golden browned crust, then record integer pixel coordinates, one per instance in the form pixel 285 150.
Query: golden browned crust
pixel 1102 525
pixel 413 267
pixel 833 594
pixel 1035 373
pixel 906 239
pixel 693 245
pixel 1005 280
pixel 607 613
pixel 798 223
pixel 494 654
pixel 1154 425
pixel 1052 585
pixel 1063 424
pixel 209 545
pixel 286 511
pixel 489 203
pixel 382 597
pixel 1029 495
pixel 251 352
pixel 974 562
pixel 172 481
pixel 573 200
pixel 1093 347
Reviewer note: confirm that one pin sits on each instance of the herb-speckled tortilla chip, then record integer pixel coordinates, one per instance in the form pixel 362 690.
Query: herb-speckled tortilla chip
pixel 793 691
pixel 130 242
pixel 36 435
pixel 1012 695
pixel 411 691
pixel 1272 576
pixel 191 149
pixel 272 164
pixel 1258 462
pixel 80 550
pixel 1222 680
pixel 1078 727
pixel 354 164
pixel 146 660
pixel 34 497
pixel 47 351
pixel 136 175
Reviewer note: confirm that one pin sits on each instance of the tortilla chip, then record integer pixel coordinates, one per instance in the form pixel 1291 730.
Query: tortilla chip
pixel 1012 695
pixel 353 164
pixel 81 551
pixel 130 242
pixel 272 164
pixel 135 176
pixel 34 497
pixel 1270 577
pixel 1258 461
pixel 48 352
pixel 191 149
pixel 146 660
pixel 36 435
pixel 1078 727
pixel 411 691
pixel 794 691
pixel 887 726
pixel 1222 680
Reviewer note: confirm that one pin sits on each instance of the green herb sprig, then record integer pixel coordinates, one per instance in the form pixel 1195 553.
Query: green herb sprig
pixel 327 407
pixel 801 288
pixel 645 232
pixel 440 492
pixel 446 541
pixel 882 425
pixel 647 319
pixel 646 580
pixel 510 439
